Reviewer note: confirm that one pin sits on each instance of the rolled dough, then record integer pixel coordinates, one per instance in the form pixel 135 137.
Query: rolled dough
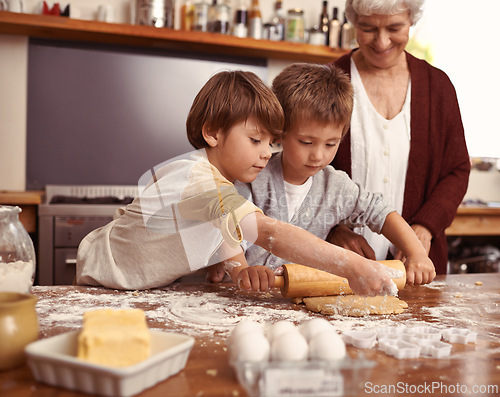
pixel 354 305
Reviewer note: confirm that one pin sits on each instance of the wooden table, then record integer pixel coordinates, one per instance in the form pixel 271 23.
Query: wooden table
pixel 209 311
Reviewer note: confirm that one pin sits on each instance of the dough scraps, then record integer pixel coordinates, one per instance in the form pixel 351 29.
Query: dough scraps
pixel 354 305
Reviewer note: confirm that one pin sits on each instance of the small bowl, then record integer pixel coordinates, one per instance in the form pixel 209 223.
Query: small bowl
pixel 53 361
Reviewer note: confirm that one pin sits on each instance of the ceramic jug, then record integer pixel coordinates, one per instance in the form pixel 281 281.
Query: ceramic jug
pixel 18 327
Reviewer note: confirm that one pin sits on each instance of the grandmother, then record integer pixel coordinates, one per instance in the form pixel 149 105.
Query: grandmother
pixel 406 137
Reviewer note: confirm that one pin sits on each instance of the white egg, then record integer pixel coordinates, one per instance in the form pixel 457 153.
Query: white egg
pixel 290 346
pixel 312 327
pixel 251 346
pixel 327 345
pixel 277 329
pixel 243 327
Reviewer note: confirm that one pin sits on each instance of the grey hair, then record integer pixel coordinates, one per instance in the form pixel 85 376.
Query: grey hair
pixel 353 8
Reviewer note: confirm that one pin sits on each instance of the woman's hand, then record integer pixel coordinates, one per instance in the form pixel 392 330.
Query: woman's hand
pixel 423 235
pixel 344 237
pixel 256 278
pixel 215 273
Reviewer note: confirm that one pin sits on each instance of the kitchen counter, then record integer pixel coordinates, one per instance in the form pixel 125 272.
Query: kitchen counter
pixel 28 201
pixel 475 221
pixel 208 312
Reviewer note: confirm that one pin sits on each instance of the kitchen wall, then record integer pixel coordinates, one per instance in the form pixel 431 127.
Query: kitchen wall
pixel 14 66
pixel 13 88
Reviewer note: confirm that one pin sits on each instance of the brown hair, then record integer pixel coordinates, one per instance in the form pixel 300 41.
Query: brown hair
pixel 231 97
pixel 321 93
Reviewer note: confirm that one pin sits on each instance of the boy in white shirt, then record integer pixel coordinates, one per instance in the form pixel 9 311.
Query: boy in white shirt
pixel 189 215
pixel 300 187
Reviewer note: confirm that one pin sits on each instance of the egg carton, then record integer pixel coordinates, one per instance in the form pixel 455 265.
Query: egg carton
pixel 277 359
pixel 307 379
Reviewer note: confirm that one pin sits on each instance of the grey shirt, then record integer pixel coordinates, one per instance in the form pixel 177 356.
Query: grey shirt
pixel 332 199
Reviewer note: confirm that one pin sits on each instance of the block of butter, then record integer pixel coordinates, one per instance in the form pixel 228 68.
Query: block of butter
pixel 115 338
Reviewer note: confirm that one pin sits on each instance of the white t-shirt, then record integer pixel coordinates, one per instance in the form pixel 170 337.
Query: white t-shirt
pixel 379 150
pixel 295 195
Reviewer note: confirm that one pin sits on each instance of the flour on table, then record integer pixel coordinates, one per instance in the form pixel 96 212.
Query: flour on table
pixel 195 313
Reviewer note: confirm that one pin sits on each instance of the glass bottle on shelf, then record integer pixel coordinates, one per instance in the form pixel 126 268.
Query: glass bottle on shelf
pixel 187 15
pixel 277 24
pixel 218 17
pixel 201 16
pixel 17 254
pixel 335 26
pixel 324 22
pixel 240 28
pixel 347 35
pixel 255 21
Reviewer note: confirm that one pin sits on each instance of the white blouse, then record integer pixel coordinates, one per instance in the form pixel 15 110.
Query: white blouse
pixel 379 151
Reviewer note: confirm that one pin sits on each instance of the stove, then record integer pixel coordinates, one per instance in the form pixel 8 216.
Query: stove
pixel 67 216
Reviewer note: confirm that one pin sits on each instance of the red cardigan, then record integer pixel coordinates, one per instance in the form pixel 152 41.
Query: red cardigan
pixel 438 164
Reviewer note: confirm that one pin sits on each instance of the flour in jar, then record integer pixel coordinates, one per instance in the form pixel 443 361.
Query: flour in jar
pixel 16 276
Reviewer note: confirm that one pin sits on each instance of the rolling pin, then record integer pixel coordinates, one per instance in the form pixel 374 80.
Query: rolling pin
pixel 301 281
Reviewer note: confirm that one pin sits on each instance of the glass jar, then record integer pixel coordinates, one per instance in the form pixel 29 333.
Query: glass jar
pixel 201 16
pixel 157 13
pixel 17 254
pixel 218 17
pixel 295 31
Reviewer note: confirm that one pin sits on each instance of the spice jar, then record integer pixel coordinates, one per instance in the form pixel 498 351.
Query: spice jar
pixel 295 26
pixel 17 255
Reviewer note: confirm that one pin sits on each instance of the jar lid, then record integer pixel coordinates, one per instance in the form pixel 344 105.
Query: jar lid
pixel 9 210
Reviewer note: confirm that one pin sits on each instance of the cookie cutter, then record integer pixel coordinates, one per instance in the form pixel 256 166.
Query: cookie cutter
pixel 431 333
pixel 399 348
pixel 390 332
pixel 360 339
pixel 459 335
pixel 432 348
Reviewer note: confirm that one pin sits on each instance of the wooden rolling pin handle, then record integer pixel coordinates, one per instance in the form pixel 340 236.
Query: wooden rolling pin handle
pixel 279 281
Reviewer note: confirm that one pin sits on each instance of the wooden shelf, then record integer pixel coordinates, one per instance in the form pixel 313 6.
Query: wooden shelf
pixel 61 28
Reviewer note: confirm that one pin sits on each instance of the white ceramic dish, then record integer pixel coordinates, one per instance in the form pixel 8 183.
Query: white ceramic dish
pixel 53 361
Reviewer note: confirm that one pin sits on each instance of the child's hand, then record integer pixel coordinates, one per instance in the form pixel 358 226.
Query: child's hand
pixel 256 278
pixel 419 270
pixel 370 278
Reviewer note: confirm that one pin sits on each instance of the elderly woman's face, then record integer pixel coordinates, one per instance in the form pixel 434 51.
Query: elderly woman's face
pixel 382 38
